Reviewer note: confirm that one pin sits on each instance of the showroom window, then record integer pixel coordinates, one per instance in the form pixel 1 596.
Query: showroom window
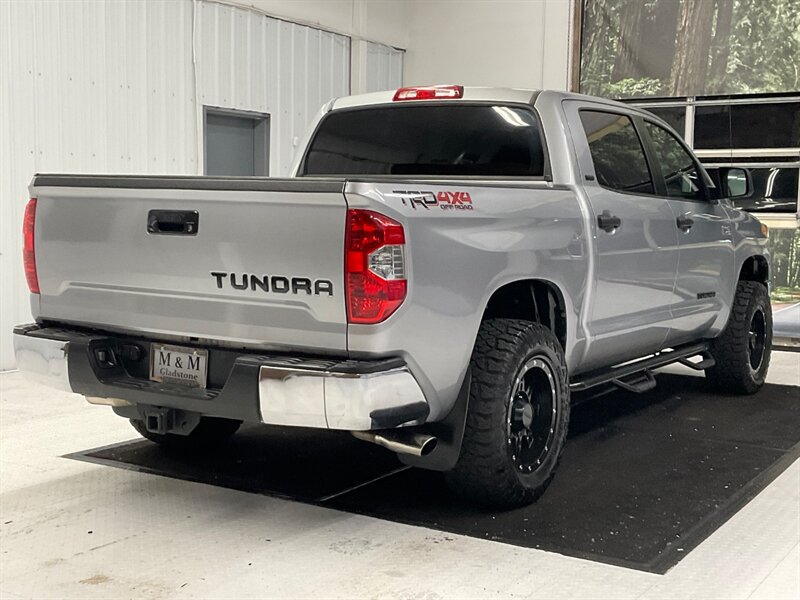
pixel 617 152
pixel 236 143
pixel 712 127
pixel 675 116
pixel 757 125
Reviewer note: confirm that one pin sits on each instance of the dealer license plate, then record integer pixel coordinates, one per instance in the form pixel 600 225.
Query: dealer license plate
pixel 177 364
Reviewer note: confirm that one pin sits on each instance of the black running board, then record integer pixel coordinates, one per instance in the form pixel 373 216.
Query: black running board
pixel 636 376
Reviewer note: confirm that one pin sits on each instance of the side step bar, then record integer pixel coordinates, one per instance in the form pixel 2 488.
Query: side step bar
pixel 636 376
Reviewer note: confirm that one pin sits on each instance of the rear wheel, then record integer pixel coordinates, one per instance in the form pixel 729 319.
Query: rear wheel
pixel 210 431
pixel 742 352
pixel 517 417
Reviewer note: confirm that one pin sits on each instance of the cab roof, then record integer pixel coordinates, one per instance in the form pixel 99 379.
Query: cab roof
pixel 473 94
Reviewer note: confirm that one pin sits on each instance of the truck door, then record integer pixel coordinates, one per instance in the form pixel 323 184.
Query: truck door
pixel 635 237
pixel 705 282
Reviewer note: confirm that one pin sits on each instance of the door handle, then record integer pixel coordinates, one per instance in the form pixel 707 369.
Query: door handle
pixel 608 222
pixel 684 223
pixel 173 222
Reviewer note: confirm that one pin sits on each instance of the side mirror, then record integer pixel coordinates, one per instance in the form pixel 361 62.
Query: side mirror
pixel 736 182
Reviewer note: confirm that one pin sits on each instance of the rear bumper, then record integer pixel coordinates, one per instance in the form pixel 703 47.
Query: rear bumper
pixel 41 359
pixel 275 389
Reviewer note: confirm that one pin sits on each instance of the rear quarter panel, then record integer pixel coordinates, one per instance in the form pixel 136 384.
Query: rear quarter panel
pixel 457 258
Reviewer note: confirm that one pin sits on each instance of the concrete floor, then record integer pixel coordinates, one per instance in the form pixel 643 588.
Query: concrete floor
pixel 71 529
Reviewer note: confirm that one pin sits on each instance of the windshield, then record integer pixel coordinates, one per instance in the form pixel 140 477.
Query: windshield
pixel 466 140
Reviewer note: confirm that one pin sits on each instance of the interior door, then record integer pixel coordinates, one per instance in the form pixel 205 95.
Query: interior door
pixel 704 285
pixel 635 237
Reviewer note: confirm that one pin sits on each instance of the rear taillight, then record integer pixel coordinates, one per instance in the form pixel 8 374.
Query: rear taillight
pixel 375 270
pixel 28 252
pixel 433 92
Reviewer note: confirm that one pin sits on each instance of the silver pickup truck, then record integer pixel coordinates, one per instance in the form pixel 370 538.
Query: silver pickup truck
pixel 444 267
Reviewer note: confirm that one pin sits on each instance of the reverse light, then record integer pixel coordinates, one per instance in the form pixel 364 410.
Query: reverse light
pixel 375 273
pixel 433 92
pixel 28 250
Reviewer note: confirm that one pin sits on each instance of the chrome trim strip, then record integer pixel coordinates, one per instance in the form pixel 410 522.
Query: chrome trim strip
pixel 747 153
pixel 108 401
pixel 43 360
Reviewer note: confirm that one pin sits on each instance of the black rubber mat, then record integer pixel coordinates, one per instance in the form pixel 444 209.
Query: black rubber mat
pixel 309 465
pixel 643 480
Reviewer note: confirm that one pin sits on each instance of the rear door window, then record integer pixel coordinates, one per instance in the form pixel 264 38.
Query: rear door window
pixel 617 152
pixel 457 140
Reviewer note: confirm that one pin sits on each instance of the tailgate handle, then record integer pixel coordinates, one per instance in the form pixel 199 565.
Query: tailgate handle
pixel 173 222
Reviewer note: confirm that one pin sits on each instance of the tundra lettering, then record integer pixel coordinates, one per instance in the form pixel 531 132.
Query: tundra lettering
pixel 275 283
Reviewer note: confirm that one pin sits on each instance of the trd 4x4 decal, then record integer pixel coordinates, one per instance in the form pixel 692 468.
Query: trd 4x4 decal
pixel 445 200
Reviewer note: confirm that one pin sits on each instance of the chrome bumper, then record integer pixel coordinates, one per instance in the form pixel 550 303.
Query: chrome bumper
pixel 335 400
pixel 356 395
pixel 43 360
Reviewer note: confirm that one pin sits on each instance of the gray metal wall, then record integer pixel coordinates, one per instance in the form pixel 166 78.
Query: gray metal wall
pixel 249 61
pixel 118 87
pixel 384 67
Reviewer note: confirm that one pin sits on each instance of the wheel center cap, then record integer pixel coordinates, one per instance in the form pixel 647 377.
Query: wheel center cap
pixel 524 412
pixel 527 415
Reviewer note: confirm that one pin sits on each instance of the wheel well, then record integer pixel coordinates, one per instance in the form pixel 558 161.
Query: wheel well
pixel 755 268
pixel 531 300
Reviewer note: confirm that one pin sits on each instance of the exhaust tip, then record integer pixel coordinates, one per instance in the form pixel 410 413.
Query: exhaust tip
pixel 428 446
pixel 400 441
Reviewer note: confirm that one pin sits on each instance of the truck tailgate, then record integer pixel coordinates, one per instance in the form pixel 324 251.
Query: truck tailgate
pixel 261 267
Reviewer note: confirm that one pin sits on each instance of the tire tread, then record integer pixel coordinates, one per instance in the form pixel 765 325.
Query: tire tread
pixel 731 372
pixel 483 472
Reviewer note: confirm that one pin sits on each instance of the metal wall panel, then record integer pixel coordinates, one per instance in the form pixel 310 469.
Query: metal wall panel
pixel 252 62
pixel 87 87
pixel 111 87
pixel 384 67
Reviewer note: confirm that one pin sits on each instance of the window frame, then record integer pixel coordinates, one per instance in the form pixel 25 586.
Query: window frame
pixel 547 173
pixel 632 116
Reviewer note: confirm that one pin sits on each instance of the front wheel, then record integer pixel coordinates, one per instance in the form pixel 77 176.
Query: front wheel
pixel 517 417
pixel 742 351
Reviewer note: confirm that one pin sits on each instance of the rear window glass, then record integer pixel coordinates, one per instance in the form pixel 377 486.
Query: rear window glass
pixel 492 141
